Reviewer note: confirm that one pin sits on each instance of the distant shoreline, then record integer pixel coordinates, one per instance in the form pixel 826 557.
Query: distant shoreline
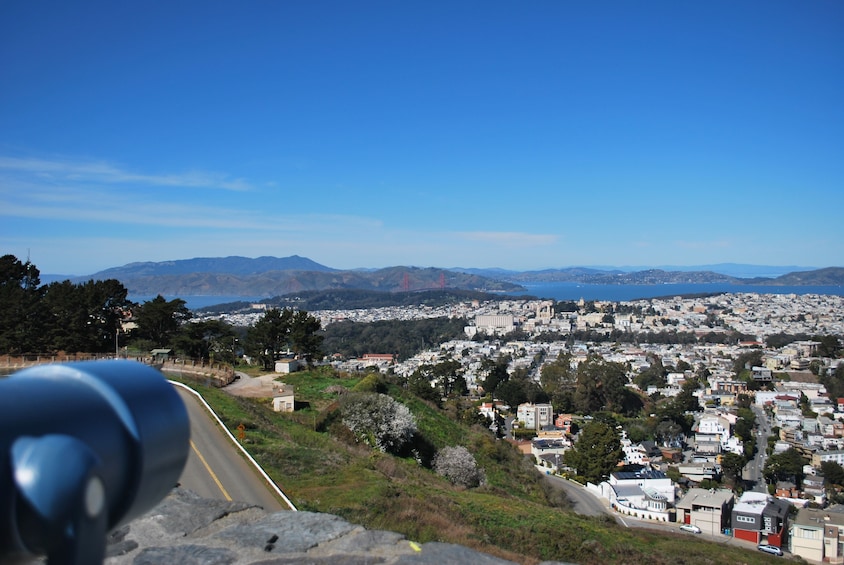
pixel 575 291
pixel 626 293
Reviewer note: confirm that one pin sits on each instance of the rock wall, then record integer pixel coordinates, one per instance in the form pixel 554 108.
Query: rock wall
pixel 186 529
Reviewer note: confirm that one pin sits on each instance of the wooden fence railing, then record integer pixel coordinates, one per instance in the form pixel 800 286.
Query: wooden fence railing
pixel 213 374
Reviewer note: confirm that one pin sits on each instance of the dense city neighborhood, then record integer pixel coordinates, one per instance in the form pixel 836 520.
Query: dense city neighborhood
pixel 683 479
pixel 717 416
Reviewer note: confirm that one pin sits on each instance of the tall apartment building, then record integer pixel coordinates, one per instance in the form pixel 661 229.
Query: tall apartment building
pixel 535 416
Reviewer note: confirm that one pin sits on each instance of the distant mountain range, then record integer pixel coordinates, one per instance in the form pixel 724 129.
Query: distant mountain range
pixel 737 270
pixel 274 276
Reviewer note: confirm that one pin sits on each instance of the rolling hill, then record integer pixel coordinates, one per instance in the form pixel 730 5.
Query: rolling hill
pixel 274 276
pixel 270 276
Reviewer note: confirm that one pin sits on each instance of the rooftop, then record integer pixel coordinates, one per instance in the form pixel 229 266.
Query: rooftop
pixel 711 498
pixel 642 474
pixel 752 502
pixel 815 517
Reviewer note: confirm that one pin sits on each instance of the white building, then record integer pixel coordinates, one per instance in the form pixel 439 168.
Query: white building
pixel 643 494
pixel 492 324
pixel 634 453
pixel 535 416
pixel 283 399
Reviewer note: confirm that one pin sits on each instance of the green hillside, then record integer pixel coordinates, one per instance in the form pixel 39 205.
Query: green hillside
pixel 316 461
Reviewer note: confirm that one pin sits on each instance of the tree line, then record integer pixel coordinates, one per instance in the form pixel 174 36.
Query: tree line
pixel 404 338
pixel 98 317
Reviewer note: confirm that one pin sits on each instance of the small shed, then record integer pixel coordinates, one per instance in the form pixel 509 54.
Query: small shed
pixel 161 355
pixel 283 399
pixel 286 366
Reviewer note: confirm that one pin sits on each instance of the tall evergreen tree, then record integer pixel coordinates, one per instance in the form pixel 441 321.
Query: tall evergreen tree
pixel 596 453
pixel 21 319
pixel 600 386
pixel 159 319
pixel 206 339
pixel 305 339
pixel 84 317
pixel 269 337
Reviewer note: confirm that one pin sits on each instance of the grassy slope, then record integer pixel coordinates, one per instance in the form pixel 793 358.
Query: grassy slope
pixel 325 471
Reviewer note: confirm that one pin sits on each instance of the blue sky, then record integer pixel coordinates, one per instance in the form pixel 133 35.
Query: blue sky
pixel 439 133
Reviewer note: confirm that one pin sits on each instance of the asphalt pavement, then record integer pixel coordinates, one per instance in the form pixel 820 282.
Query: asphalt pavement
pixel 216 468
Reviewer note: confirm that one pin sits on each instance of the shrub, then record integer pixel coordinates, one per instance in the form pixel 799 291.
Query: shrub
pixel 458 466
pixel 377 420
pixel 371 383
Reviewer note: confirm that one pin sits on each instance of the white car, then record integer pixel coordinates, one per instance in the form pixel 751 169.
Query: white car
pixel 772 549
pixel 689 528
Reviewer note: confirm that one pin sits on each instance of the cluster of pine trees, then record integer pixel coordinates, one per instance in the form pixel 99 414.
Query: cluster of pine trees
pixel 60 316
pixel 96 317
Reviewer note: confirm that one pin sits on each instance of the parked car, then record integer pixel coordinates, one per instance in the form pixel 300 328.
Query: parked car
pixel 772 549
pixel 689 528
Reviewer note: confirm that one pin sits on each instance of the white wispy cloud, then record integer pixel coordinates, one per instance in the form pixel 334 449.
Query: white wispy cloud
pixel 106 173
pixel 96 205
pixel 83 216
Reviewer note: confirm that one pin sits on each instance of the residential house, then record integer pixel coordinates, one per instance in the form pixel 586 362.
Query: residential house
pixel 642 493
pixel 708 509
pixel 765 397
pixel 799 364
pixel 788 417
pixel 817 536
pixel 713 425
pixel 731 387
pixel 786 489
pixel 697 472
pixel 637 453
pixel 716 429
pixel 814 488
pixel 759 517
pixel 821 405
pixel 671 454
pixel 762 374
pixel 836 455
pixel 381 361
pixel 491 409
pixel 645 478
pixel 549 452
pixel 564 422
pixel 829 427
pixel 379 357
pixel 535 416
pixel 550 432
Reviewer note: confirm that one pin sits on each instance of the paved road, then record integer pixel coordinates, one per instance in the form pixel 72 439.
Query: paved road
pixel 582 501
pixel 752 472
pixel 216 468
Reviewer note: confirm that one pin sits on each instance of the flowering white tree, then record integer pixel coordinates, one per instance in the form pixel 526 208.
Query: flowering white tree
pixel 458 466
pixel 377 420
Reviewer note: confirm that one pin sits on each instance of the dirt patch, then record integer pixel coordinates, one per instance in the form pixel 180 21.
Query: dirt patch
pixel 264 386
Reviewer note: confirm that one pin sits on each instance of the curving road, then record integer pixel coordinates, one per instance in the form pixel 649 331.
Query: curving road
pixel 582 501
pixel 216 468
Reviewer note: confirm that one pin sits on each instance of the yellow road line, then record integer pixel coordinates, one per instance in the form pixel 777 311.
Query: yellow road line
pixel 210 472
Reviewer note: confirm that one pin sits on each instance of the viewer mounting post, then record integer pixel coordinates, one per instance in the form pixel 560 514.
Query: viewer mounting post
pixel 84 448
